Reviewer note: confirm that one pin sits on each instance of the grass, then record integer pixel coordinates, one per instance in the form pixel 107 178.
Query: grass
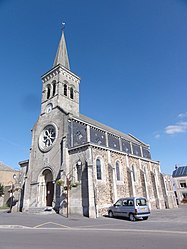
pixel 4 207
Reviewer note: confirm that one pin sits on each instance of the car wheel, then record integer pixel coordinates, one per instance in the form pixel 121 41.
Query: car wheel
pixel 145 218
pixel 131 217
pixel 110 214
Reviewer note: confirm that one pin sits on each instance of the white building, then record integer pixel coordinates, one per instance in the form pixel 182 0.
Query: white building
pixel 180 181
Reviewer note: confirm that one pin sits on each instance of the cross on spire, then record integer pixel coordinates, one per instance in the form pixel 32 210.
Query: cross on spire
pixel 62 54
pixel 63 26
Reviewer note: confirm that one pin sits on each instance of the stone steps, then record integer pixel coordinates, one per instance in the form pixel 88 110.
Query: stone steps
pixel 41 210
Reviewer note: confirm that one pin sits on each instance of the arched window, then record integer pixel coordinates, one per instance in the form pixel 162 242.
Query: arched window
pixel 117 171
pixel 65 90
pixel 48 91
pixel 133 173
pixel 98 168
pixel 71 93
pixel 54 88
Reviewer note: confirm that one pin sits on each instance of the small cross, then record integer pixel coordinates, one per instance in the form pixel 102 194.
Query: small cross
pixel 63 26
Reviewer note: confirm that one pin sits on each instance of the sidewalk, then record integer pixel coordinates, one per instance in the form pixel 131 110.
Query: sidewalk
pixel 4 210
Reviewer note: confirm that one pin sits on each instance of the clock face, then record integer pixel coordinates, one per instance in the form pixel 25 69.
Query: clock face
pixel 48 137
pixel 49 108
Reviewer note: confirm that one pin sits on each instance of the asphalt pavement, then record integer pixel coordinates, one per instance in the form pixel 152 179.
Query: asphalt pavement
pixel 164 229
pixel 167 220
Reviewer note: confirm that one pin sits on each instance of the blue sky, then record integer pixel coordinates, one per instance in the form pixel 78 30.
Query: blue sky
pixel 131 57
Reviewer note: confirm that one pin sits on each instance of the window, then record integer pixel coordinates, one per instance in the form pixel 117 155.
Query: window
pixel 71 93
pixel 65 90
pixel 48 92
pixel 130 202
pixel 136 150
pixel 117 172
pixel 54 88
pixel 140 202
pixel 48 137
pixel 183 184
pixel 118 203
pixel 126 147
pixel 98 168
pixel 97 136
pixel 125 203
pixel 146 153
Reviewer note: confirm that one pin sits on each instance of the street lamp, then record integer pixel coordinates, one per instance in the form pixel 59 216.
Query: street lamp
pixel 79 164
pixel 79 169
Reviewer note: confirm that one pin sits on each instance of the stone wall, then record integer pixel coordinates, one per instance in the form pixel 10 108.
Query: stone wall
pixel 6 177
pixel 144 181
pixel 1 201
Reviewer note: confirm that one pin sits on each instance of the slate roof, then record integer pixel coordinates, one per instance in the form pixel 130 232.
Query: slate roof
pixel 101 126
pixel 180 171
pixel 62 55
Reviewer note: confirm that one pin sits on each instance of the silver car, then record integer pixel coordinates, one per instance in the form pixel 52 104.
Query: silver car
pixel 133 208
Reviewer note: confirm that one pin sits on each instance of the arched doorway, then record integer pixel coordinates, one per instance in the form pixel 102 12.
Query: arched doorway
pixel 46 188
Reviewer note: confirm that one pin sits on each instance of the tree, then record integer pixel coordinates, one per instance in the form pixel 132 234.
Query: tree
pixel 1 190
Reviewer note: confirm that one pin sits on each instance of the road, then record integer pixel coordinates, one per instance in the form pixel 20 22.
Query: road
pixel 165 229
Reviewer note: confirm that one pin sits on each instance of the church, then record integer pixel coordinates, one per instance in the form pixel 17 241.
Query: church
pixel 80 166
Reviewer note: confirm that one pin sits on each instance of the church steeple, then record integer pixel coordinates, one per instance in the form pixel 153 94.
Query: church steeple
pixel 60 85
pixel 62 55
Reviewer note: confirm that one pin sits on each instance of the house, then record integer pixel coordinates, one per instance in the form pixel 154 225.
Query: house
pixel 8 178
pixel 180 181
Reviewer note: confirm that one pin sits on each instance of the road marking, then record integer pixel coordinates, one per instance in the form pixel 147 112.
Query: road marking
pixel 65 228
pixel 135 230
pixel 118 230
pixel 57 224
pixel 14 226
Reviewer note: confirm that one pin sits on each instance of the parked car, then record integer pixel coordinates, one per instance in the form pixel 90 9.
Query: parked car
pixel 133 208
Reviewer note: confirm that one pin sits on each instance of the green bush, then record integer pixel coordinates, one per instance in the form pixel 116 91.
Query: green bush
pixel 60 182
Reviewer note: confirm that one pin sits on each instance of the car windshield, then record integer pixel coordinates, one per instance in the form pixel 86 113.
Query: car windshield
pixel 140 202
pixel 118 203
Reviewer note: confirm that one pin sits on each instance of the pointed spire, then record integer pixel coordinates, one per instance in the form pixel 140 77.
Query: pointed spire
pixel 62 55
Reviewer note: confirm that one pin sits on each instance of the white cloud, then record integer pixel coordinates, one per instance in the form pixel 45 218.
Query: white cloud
pixel 180 127
pixel 157 136
pixel 182 115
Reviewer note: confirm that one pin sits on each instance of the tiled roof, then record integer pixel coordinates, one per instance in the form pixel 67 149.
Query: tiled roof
pixel 4 167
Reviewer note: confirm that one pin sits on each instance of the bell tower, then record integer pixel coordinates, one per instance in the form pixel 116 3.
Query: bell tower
pixel 60 85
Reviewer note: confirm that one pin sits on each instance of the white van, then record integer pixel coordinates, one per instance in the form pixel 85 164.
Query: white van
pixel 132 207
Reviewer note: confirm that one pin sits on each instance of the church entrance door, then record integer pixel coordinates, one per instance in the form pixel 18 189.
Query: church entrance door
pixel 46 188
pixel 50 193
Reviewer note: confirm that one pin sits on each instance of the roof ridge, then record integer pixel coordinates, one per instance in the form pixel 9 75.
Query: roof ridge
pixel 115 132
pixel 4 167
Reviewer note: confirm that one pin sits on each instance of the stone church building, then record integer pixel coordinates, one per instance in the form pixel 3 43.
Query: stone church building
pixel 80 165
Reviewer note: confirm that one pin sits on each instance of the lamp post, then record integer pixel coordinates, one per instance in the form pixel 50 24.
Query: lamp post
pixel 79 169
pixel 69 178
pixel 68 181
